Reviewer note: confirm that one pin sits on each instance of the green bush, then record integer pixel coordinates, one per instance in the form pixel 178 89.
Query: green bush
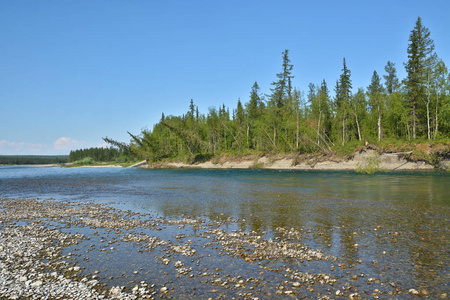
pixel 84 161
pixel 372 164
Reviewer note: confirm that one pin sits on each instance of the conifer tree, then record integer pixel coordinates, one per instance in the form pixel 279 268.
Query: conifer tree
pixel 254 105
pixel 325 107
pixel 343 95
pixel 283 86
pixel 391 81
pixel 420 52
pixel 375 92
pixel 254 110
pixel 281 92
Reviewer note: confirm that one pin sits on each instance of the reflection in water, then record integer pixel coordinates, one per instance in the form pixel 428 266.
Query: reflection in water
pixel 399 222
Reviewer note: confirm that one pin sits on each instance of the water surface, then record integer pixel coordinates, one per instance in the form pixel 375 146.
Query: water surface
pixel 399 220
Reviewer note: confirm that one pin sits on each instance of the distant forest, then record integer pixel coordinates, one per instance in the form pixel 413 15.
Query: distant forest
pixel 97 154
pixel 33 159
pixel 286 120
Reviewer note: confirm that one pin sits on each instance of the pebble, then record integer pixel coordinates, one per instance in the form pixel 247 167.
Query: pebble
pixel 413 291
pixel 272 255
pixel 37 283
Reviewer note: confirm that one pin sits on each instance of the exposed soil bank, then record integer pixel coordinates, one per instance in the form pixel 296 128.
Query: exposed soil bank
pixel 390 161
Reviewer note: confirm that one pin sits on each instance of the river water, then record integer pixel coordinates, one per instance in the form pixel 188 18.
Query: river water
pixel 393 226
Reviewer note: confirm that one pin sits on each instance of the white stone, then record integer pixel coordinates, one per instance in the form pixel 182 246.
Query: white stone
pixel 37 283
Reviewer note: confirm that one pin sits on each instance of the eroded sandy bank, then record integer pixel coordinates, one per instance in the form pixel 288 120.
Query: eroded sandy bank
pixel 387 161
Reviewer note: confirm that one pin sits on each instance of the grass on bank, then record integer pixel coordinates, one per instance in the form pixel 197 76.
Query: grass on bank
pixel 89 161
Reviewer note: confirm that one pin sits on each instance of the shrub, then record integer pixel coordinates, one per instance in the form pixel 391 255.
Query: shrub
pixel 372 164
pixel 84 161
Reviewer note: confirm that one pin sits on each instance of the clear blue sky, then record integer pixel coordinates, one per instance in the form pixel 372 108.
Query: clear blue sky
pixel 72 72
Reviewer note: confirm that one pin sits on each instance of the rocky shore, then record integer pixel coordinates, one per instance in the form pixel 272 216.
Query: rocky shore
pixel 52 249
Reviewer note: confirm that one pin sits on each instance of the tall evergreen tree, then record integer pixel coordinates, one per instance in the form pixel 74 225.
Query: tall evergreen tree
pixel 343 95
pixel 191 110
pixel 254 105
pixel 391 81
pixel 376 99
pixel 420 52
pixel 283 86
pixel 254 110
pixel 281 92
pixel 325 107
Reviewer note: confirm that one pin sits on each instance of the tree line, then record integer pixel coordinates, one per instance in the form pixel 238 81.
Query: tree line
pixel 32 159
pixel 97 154
pixel 287 120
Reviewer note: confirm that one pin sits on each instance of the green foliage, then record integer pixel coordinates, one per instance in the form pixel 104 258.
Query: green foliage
pixel 420 55
pixel 200 158
pixel 33 159
pixel 348 149
pixel 257 165
pixel 391 81
pixel 286 123
pixel 371 165
pixel 342 104
pixel 97 154
pixel 86 161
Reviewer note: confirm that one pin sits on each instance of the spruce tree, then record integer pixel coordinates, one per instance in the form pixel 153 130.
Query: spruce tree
pixel 325 107
pixel 280 94
pixel 343 95
pixel 283 86
pixel 420 52
pixel 376 99
pixel 254 110
pixel 253 106
pixel 391 80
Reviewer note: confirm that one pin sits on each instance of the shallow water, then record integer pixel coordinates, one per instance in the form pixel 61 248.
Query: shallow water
pixel 400 221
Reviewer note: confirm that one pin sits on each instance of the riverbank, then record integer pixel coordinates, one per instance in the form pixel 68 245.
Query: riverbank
pixel 81 250
pixel 362 158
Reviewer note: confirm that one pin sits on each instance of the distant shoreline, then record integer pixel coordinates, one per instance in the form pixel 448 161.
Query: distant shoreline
pixel 62 166
pixel 31 165
pixel 386 162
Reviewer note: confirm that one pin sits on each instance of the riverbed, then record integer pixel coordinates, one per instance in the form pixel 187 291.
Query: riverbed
pixel 221 234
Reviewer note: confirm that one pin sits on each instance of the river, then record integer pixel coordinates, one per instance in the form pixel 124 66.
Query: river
pixel 393 227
